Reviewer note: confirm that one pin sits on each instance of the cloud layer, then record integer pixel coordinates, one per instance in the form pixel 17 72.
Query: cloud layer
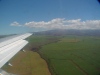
pixel 61 23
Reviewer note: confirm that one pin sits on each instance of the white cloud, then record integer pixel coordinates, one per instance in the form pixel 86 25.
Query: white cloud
pixel 15 24
pixel 55 23
pixel 60 23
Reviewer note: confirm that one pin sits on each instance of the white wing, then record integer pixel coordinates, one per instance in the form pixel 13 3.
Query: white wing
pixel 9 46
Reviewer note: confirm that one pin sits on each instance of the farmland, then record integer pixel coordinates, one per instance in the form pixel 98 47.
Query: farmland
pixel 74 55
pixel 64 55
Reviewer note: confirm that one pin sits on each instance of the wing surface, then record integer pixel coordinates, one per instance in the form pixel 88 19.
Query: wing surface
pixel 9 46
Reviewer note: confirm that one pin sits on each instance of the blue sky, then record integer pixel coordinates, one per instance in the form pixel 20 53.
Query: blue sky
pixel 20 16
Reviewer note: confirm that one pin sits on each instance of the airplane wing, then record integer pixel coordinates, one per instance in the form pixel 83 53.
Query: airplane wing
pixel 9 46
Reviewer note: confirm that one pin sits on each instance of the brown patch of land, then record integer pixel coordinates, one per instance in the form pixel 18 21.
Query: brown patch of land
pixel 28 63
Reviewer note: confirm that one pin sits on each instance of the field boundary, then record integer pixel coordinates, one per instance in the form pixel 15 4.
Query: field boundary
pixel 78 67
pixel 51 69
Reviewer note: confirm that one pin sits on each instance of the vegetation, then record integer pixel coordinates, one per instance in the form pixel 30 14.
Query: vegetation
pixel 74 55
pixel 65 55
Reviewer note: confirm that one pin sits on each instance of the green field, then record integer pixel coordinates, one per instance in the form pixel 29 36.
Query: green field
pixel 73 55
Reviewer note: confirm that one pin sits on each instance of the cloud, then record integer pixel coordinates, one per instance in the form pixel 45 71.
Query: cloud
pixel 15 24
pixel 61 23
pixel 55 23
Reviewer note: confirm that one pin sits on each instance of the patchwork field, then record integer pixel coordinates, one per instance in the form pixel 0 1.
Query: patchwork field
pixel 73 55
pixel 67 55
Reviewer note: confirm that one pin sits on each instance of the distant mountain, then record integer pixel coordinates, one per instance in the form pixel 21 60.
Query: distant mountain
pixel 59 32
pixel 2 36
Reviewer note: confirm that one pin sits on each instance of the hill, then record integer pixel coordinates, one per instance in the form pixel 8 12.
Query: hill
pixel 60 32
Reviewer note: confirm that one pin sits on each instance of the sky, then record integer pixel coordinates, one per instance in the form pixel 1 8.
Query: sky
pixel 21 16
